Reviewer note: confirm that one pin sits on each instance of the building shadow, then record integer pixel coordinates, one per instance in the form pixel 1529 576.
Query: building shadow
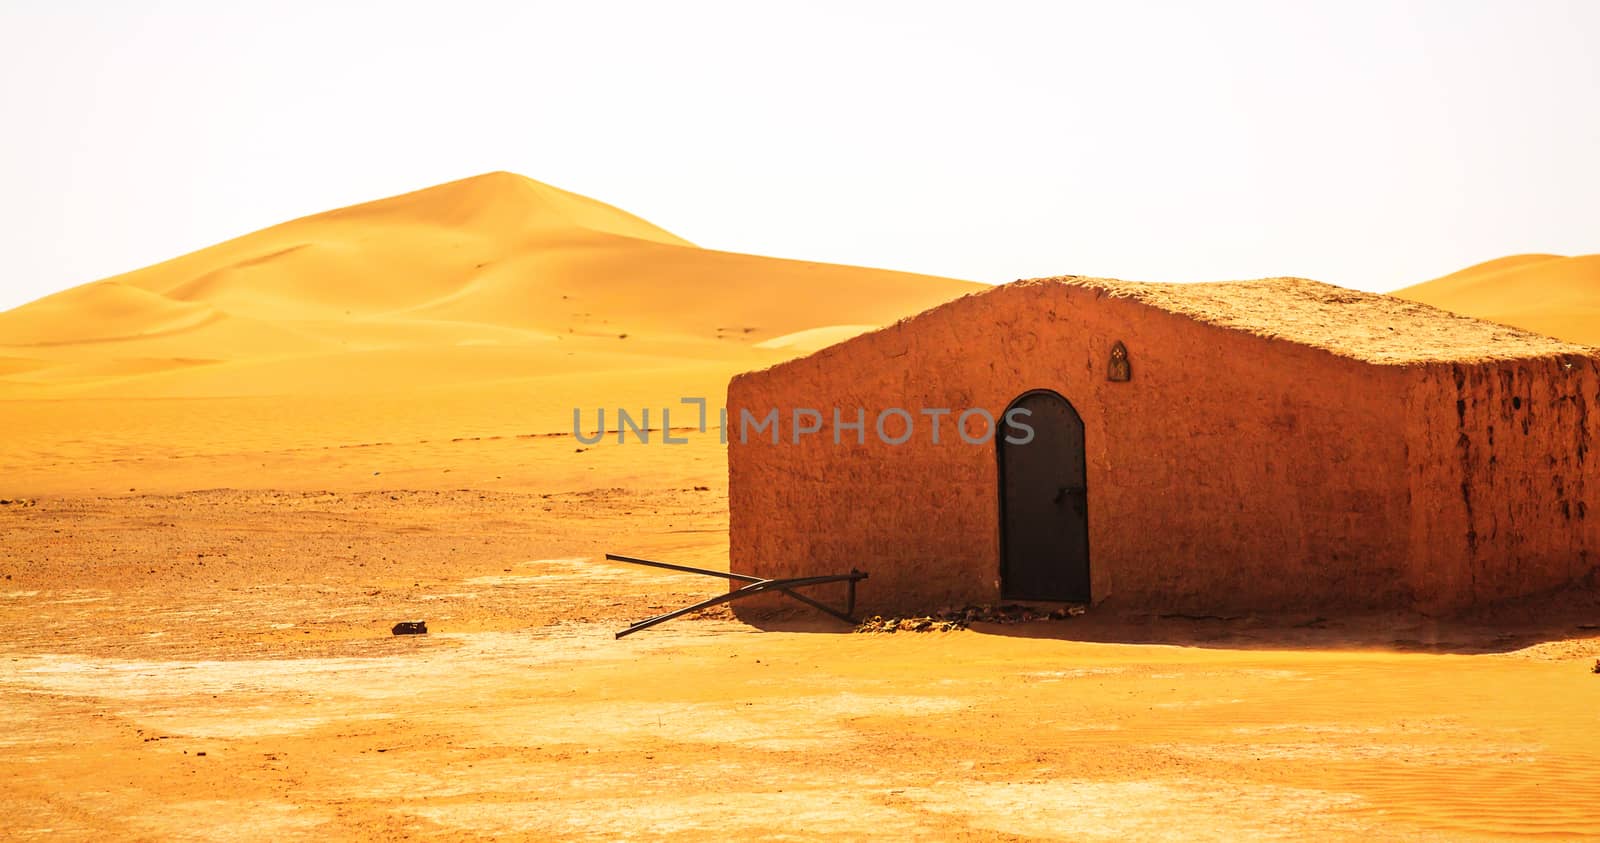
pixel 1497 629
pixel 1389 632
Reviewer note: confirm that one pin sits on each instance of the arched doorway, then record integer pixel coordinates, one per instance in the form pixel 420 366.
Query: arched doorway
pixel 1044 502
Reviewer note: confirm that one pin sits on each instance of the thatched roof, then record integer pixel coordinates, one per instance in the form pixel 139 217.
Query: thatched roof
pixel 1349 323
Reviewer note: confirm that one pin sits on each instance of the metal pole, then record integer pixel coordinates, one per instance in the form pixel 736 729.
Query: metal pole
pixel 684 568
pixel 753 588
pixel 703 604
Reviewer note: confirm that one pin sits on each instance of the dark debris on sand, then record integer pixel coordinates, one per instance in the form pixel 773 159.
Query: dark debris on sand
pixel 949 620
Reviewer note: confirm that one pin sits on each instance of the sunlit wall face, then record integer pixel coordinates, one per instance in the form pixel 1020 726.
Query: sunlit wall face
pixel 1367 144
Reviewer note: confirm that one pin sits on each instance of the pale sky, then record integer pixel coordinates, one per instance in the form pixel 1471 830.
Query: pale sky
pixel 1369 144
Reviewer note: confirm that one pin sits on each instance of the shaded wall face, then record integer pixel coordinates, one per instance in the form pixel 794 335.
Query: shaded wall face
pixel 1503 479
pixel 1230 471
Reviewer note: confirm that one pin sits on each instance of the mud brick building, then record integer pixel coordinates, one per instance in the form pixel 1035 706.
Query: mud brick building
pixel 1263 445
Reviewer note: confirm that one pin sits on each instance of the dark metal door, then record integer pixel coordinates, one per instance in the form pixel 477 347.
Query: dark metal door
pixel 1044 503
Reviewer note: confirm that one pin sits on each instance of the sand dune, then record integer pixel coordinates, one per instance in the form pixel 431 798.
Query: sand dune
pixel 486 309
pixel 488 278
pixel 1553 295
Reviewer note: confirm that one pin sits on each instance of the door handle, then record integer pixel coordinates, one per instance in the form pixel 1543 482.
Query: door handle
pixel 1077 493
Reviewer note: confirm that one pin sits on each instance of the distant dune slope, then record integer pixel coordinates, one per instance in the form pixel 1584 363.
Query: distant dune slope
pixel 552 281
pixel 1553 295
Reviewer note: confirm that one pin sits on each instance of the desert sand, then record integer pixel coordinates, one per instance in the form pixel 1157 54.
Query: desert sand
pixel 1548 294
pixel 487 307
pixel 226 476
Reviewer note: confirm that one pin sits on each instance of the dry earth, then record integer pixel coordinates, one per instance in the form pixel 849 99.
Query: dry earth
pixel 218 664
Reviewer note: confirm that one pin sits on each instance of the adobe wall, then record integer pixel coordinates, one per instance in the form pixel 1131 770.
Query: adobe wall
pixel 1232 472
pixel 1503 478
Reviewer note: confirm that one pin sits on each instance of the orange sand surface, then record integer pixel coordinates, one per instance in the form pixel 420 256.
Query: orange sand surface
pixel 226 476
pixel 1548 294
pixel 144 630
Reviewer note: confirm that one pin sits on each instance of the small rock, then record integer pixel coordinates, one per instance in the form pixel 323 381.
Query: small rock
pixel 410 628
pixel 1596 668
pixel 950 619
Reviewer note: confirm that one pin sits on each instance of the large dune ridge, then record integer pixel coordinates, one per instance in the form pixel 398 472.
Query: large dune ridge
pixel 489 307
pixel 1548 294
pixel 491 277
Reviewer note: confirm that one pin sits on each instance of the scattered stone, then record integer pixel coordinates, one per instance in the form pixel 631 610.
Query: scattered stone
pixel 1595 669
pixel 949 620
pixel 410 628
pixel 878 623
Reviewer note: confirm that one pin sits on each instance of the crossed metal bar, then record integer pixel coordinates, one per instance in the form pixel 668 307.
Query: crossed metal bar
pixel 752 585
